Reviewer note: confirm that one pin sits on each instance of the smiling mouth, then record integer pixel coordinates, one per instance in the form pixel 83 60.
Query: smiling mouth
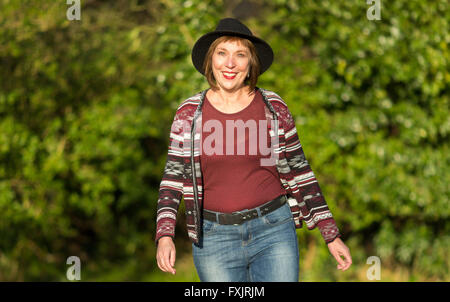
pixel 229 75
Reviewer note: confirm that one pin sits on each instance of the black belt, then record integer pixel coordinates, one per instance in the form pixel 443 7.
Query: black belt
pixel 243 216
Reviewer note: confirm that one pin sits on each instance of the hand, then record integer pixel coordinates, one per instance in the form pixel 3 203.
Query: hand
pixel 165 255
pixel 337 249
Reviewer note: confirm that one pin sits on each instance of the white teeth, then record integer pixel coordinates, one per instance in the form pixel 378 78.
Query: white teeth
pixel 229 74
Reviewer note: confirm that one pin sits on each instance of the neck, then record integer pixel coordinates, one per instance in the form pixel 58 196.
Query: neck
pixel 232 96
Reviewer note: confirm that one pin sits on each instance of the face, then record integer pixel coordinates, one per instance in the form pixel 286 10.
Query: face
pixel 230 65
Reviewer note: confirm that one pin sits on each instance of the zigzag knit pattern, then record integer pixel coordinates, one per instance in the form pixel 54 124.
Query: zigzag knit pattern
pixel 305 196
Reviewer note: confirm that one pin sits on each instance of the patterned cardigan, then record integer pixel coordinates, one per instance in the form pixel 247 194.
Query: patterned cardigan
pixel 304 194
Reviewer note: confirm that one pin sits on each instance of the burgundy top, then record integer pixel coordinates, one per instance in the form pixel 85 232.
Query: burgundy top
pixel 236 180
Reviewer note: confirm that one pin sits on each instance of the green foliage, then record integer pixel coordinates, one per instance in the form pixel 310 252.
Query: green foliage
pixel 371 101
pixel 86 106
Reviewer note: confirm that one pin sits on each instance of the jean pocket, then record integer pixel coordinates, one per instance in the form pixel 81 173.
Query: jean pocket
pixel 208 227
pixel 279 216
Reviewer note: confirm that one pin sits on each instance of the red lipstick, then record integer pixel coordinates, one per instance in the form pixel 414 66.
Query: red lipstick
pixel 229 76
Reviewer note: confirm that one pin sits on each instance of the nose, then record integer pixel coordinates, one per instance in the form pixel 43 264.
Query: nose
pixel 230 62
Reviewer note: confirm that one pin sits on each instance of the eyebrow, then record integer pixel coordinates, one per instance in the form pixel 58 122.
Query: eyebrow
pixel 240 50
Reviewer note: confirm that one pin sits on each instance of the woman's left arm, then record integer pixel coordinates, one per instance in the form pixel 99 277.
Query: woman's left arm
pixel 308 186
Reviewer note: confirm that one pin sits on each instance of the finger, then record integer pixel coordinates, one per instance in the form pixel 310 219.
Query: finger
pixel 348 263
pixel 171 261
pixel 348 259
pixel 160 260
pixel 166 261
pixel 338 258
pixel 172 256
pixel 161 267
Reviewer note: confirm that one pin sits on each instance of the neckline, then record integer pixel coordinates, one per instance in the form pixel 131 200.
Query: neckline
pixel 234 113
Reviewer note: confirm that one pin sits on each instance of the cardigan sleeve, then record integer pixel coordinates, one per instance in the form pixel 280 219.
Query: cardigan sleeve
pixel 312 203
pixel 171 187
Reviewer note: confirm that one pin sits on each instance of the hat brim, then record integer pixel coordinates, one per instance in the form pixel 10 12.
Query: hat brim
pixel 264 51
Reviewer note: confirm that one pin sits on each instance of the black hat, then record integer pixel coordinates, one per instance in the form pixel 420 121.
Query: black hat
pixel 231 27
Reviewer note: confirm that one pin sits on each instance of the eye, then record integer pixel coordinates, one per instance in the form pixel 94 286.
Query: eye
pixel 220 52
pixel 242 55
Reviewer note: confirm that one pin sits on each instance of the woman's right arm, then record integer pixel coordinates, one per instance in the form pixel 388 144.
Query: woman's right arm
pixel 170 194
pixel 171 187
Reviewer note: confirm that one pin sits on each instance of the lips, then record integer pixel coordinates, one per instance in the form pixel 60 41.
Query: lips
pixel 229 75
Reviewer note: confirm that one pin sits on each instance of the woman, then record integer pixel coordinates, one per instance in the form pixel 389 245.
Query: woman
pixel 243 199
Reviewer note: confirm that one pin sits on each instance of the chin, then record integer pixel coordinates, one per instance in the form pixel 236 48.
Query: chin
pixel 232 86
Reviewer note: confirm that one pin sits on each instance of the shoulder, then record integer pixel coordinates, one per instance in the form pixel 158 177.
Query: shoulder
pixel 278 104
pixel 280 107
pixel 273 98
pixel 187 107
pixel 191 101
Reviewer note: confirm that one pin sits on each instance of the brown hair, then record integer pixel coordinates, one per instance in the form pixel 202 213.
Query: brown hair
pixel 253 62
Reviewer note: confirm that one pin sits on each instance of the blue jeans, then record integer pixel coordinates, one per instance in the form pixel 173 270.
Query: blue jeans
pixel 263 249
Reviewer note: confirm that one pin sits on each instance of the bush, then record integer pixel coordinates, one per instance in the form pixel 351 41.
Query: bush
pixel 86 106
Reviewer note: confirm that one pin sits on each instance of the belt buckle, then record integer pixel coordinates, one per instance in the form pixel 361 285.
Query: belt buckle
pixel 248 215
pixel 241 216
